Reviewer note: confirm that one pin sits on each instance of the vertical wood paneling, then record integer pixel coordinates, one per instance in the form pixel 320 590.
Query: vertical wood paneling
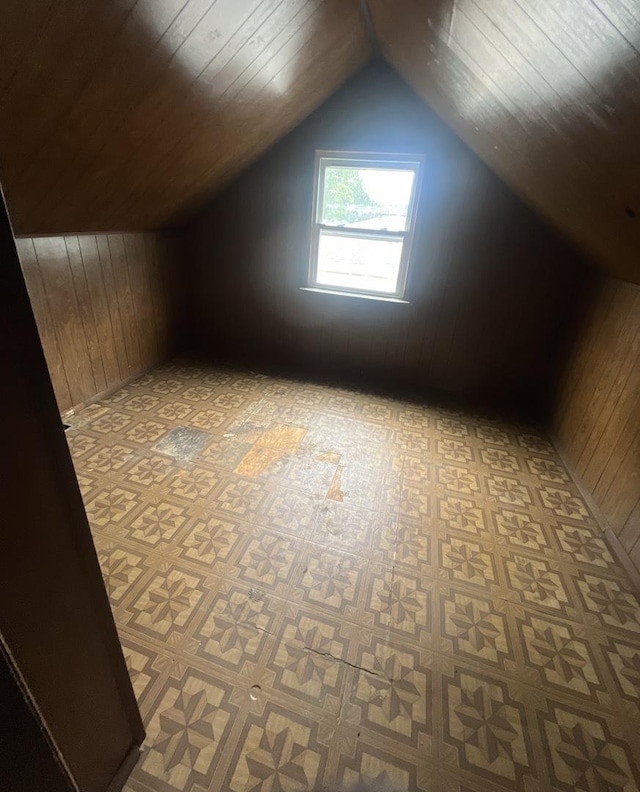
pixel 97 295
pixel 44 319
pixel 113 306
pixel 597 417
pixel 158 301
pixel 491 287
pixel 102 307
pixel 55 272
pixel 85 308
pixel 127 308
pixel 135 249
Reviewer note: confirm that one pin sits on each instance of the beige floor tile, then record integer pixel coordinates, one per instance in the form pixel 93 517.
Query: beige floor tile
pixel 316 587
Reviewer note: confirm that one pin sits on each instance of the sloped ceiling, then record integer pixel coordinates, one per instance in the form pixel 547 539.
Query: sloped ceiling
pixel 547 92
pixel 127 114
pixel 122 114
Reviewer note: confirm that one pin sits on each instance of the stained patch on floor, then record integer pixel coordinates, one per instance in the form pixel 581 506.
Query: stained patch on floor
pixel 335 490
pixel 183 442
pixel 276 443
pixel 335 586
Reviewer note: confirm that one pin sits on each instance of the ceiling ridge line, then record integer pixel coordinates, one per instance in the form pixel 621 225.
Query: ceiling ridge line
pixel 371 28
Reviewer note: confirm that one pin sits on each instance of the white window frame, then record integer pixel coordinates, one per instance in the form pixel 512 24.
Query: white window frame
pixel 325 159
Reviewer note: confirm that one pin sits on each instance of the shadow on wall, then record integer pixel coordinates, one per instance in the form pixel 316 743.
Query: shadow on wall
pixel 491 288
pixel 584 311
pixel 121 112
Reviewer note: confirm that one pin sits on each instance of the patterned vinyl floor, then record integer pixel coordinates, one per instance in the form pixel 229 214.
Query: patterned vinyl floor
pixel 314 586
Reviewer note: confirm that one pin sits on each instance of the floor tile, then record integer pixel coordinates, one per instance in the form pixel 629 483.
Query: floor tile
pixel 316 588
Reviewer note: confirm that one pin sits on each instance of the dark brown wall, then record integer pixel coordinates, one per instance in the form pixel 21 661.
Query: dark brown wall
pixel 489 287
pixel 106 307
pixel 55 618
pixel 597 417
pixel 27 759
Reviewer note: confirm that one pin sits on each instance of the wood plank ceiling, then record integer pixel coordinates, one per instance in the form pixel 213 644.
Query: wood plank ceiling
pixel 127 114
pixel 123 114
pixel 547 92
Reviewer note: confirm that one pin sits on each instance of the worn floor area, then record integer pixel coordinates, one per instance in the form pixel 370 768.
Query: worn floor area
pixel 314 586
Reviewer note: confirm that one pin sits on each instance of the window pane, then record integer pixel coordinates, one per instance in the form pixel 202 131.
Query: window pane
pixel 355 263
pixel 375 198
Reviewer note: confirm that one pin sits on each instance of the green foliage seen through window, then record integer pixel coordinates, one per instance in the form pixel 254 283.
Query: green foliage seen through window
pixel 345 198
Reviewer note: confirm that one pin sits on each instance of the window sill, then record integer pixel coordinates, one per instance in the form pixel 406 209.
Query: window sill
pixel 358 295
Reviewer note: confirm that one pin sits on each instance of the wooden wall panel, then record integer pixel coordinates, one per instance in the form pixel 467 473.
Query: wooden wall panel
pixel 105 305
pixel 547 93
pixel 490 287
pixel 597 416
pixel 123 114
pixel 55 620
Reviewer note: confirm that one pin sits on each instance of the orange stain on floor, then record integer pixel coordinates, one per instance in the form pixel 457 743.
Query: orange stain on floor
pixel 335 490
pixel 270 446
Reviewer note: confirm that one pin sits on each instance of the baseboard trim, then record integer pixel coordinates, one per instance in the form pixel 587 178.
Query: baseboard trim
pixel 109 391
pixel 615 545
pixel 621 554
pixel 125 769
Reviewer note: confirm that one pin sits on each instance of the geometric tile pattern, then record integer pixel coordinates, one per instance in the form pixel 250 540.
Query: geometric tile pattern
pixel 316 588
pixel 475 627
pixel 562 657
pixel 487 726
pixel 584 754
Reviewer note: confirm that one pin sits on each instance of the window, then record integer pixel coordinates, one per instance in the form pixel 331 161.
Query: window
pixel 363 220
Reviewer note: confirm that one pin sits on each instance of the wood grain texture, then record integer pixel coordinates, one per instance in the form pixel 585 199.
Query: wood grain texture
pixel 490 286
pixel 547 93
pixel 167 102
pixel 597 417
pixel 125 114
pixel 105 305
pixel 55 617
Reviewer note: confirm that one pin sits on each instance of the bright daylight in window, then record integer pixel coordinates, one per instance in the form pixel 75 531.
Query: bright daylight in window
pixel 364 216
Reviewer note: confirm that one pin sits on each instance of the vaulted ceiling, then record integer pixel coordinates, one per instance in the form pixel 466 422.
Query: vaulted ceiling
pixel 127 114
pixel 547 92
pixel 122 114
